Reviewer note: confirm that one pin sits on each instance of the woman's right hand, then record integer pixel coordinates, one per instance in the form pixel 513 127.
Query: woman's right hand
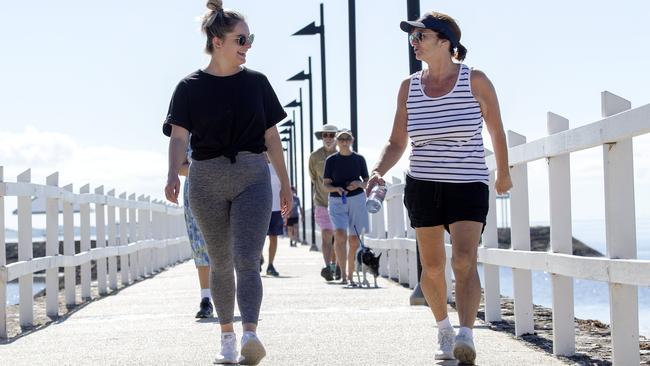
pixel 173 188
pixel 375 179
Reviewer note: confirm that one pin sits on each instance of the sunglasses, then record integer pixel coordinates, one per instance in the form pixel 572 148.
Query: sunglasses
pixel 418 36
pixel 242 40
pixel 344 139
pixel 329 135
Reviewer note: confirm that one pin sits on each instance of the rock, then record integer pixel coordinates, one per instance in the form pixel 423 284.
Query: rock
pixel 539 242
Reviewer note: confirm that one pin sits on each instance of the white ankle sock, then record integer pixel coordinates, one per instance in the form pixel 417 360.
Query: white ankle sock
pixel 205 292
pixel 247 334
pixel 228 334
pixel 444 323
pixel 466 331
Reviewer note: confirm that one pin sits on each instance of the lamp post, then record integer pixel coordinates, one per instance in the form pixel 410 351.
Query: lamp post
pixel 294 167
pixel 292 147
pixel 294 104
pixel 300 77
pixel 312 29
pixel 412 13
pixel 288 141
pixel 352 44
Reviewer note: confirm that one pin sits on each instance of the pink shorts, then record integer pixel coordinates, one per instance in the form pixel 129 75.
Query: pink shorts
pixel 323 218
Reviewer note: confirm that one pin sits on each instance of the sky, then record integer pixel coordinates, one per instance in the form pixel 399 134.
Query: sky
pixel 84 86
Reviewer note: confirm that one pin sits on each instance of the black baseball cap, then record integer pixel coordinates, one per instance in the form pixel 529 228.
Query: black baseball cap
pixel 429 22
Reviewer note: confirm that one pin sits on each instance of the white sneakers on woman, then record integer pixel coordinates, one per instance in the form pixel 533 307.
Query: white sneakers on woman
pixel 229 353
pixel 445 344
pixel 464 350
pixel 252 350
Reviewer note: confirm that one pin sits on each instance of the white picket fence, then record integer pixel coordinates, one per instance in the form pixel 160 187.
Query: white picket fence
pixel 147 237
pixel 392 235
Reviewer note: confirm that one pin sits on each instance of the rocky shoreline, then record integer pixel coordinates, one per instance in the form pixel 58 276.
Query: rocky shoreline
pixel 593 338
pixel 540 242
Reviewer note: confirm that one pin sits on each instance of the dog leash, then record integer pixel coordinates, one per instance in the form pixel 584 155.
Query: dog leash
pixel 358 236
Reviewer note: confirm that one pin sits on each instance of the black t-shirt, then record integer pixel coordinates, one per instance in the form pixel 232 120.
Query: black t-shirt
pixel 224 114
pixel 343 169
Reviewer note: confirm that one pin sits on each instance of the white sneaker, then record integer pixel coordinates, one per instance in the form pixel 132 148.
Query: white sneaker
pixel 464 350
pixel 229 354
pixel 252 350
pixel 445 344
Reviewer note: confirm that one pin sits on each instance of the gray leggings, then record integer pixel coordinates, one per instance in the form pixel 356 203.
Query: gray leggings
pixel 232 206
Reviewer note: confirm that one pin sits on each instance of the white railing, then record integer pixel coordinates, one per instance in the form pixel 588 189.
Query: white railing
pixel 145 243
pixel 393 236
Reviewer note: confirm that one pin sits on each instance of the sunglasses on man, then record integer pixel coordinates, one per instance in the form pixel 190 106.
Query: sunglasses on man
pixel 328 135
pixel 242 39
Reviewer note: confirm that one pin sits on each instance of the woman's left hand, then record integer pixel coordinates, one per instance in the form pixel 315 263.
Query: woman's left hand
pixel 503 183
pixel 286 201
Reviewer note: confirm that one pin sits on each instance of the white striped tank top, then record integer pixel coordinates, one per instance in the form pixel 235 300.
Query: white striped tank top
pixel 445 133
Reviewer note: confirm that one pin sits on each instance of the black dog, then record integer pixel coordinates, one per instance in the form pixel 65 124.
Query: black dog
pixel 367 261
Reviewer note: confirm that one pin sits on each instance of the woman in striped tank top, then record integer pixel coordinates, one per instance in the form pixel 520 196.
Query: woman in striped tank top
pixel 441 110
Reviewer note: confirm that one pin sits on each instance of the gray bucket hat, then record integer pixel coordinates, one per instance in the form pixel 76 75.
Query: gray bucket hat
pixel 325 128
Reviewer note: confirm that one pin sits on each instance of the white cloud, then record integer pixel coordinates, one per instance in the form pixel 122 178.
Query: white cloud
pixel 130 170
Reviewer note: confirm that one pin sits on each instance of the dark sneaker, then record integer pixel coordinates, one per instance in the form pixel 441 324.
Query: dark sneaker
pixel 326 273
pixel 270 270
pixel 205 309
pixel 261 262
pixel 337 275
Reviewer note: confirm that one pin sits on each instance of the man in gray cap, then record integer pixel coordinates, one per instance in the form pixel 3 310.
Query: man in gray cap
pixel 317 159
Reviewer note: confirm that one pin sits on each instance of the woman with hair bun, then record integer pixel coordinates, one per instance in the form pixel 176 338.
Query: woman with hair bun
pixel 231 113
pixel 442 109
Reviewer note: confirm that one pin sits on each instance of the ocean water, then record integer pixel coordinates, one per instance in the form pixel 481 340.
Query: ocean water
pixel 12 290
pixel 590 298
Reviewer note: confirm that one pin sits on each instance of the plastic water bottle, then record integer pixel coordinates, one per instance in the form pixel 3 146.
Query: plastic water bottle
pixel 376 198
pixel 344 198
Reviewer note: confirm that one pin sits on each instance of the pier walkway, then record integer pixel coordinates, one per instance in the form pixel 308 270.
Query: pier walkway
pixel 304 321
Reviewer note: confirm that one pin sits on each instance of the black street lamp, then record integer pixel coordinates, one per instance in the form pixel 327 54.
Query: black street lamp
pixel 294 167
pixel 300 77
pixel 290 160
pixel 353 72
pixel 412 13
pixel 294 104
pixel 312 29
pixel 292 147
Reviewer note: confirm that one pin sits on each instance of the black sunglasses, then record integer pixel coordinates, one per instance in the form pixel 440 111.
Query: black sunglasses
pixel 418 36
pixel 328 134
pixel 242 39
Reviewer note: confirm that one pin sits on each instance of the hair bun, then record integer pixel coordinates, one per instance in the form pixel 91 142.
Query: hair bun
pixel 215 5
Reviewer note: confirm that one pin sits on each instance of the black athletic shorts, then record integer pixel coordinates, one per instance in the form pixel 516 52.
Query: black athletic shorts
pixel 292 221
pixel 439 203
pixel 276 226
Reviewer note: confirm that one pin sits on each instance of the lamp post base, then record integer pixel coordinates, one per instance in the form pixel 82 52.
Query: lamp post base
pixel 417 297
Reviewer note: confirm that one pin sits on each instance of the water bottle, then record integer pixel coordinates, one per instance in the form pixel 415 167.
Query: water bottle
pixel 376 198
pixel 344 198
